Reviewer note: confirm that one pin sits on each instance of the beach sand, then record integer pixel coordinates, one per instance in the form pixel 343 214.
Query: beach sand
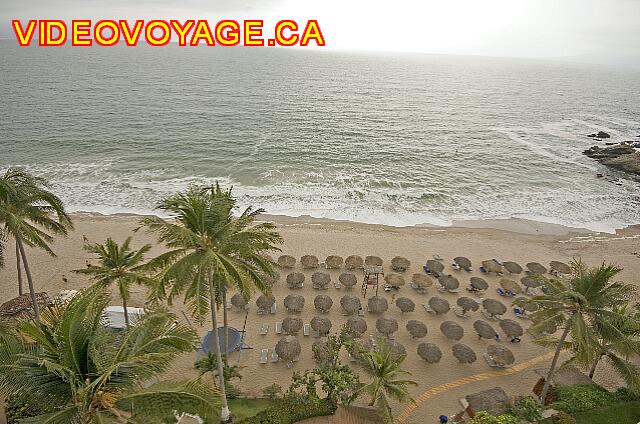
pixel 526 242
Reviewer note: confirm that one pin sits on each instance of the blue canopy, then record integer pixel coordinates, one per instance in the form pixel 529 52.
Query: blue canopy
pixel 234 335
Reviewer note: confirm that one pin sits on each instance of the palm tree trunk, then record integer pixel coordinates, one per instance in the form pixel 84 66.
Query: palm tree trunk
pixel 19 266
pixel 554 362
pixel 592 371
pixel 225 414
pixel 225 324
pixel 23 255
pixel 126 313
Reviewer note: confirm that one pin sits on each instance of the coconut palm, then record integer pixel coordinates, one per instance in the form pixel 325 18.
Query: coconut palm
pixel 210 251
pixel 383 367
pixel 32 215
pixel 78 371
pixel 574 305
pixel 118 264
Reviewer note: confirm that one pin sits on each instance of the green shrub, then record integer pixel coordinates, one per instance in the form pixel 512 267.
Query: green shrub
pixel 581 398
pixel 563 418
pixel 291 409
pixel 486 418
pixel 19 407
pixel 272 392
pixel 526 408
pixel 625 395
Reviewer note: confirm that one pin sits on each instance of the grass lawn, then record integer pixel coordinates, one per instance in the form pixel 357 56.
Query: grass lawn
pixel 243 408
pixel 622 413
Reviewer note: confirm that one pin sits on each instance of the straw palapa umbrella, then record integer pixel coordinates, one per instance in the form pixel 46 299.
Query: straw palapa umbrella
pixel 449 282
pixel 405 304
pixel 510 285
pixel 397 351
pixel 467 304
pixel 321 324
pixel 357 325
pixel 288 348
pixel 264 302
pixel 512 267
pixel 421 281
pixel 350 304
pixel 439 305
pixel 531 281
pixel 320 279
pixel 400 264
pixel 286 261
pixel 353 262
pixel 462 262
pixel 377 304
pixel 373 261
pixel 295 280
pixel 452 330
pixel 536 268
pixel 511 328
pixel 560 267
pixel 417 329
pixel 494 307
pixel 323 303
pixel 394 280
pixel 484 330
pixel 386 326
pixel 435 266
pixel 309 262
pixel 294 303
pixel 492 266
pixel 238 301
pixel 429 352
pixel 478 283
pixel 348 280
pixel 292 325
pixel 463 353
pixel 320 350
pixel 334 262
pixel 501 355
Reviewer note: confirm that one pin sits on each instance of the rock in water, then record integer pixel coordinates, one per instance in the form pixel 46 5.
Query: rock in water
pixel 602 134
pixel 621 157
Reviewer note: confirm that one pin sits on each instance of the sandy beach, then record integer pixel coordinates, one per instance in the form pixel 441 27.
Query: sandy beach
pixel 519 241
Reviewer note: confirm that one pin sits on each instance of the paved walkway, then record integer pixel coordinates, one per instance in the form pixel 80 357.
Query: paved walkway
pixel 342 416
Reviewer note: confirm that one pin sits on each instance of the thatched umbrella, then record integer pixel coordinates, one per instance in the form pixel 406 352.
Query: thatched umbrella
pixel 323 303
pixel 494 307
pixel 386 326
pixel 373 261
pixel 348 280
pixel 560 267
pixel 434 266
pixel 429 352
pixel 492 266
pixel 405 304
pixel 526 304
pixel 238 301
pixel 264 302
pixel 484 330
pixel 439 305
pixel 512 267
pixel 511 328
pixel 463 353
pixel 320 349
pixel 333 262
pixel 350 304
pixel 394 280
pixel 309 262
pixel 478 283
pixel 510 285
pixel 286 261
pixel 357 325
pixel 501 355
pixel 536 268
pixel 22 305
pixel 462 262
pixel 416 328
pixel 320 280
pixel 295 280
pixel 467 304
pixel 531 281
pixel 288 348
pixel 449 282
pixel 292 325
pixel 400 264
pixel 321 324
pixel 397 351
pixel 294 303
pixel 452 330
pixel 353 262
pixel 377 304
pixel 421 281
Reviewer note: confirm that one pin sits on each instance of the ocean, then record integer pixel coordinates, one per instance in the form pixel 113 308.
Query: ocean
pixel 394 139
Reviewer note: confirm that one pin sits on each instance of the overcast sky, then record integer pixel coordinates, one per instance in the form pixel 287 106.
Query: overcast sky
pixel 521 28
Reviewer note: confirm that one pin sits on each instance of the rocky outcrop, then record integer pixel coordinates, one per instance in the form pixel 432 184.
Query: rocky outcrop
pixel 600 134
pixel 622 157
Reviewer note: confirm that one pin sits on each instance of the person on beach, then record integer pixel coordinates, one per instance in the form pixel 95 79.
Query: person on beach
pixel 443 419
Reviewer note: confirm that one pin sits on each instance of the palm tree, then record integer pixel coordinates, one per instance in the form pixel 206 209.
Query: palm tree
pixel 574 305
pixel 31 215
pixel 211 250
pixel 119 264
pixel 78 371
pixel 383 367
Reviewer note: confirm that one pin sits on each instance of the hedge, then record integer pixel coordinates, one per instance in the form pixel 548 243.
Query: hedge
pixel 585 397
pixel 291 409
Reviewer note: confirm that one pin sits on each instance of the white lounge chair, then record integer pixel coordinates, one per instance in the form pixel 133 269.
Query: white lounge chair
pixel 273 309
pixel 337 285
pixel 306 329
pixel 264 329
pixel 428 309
pixel 264 355
pixel 279 327
pixel 492 362
pixel 361 312
pixel 274 356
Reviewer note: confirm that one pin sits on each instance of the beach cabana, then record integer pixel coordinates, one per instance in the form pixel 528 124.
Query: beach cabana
pixel 264 303
pixel 400 264
pixel 429 352
pixel 493 401
pixel 439 305
pixel 405 304
pixel 288 349
pixel 462 262
pixel 333 262
pixel 321 324
pixel 536 268
pixel 467 304
pixel 499 356
pixel 463 353
pixel 292 325
pixel 295 280
pixel 286 261
pixel 294 303
pixel 323 303
pixel 373 261
pixel 434 267
pixel 354 262
pixel 320 280
pixel 348 280
pixel 512 267
pixel 377 304
pixel 478 284
pixel 309 262
pixel 115 316
pixel 484 330
pixel 421 282
pixel 452 330
pixel 449 283
pixel 510 286
pixel 491 265
pixel 350 304
pixel 511 328
pixel 386 326
pixel 394 280
pixel 560 267
pixel 356 325
pixel 238 302
pixel 417 329
pixel 494 307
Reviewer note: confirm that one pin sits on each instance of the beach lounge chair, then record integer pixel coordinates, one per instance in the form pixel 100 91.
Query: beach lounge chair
pixel 264 355
pixel 460 313
pixel 437 257
pixel 361 312
pixel 316 334
pixel 274 356
pixel 492 362
pixel 337 285
pixel 428 309
pixel 306 330
pixel 503 292
pixel 279 327
pixel 520 313
pixel 352 359
pixel 264 329
pixel 273 309
pixel 456 267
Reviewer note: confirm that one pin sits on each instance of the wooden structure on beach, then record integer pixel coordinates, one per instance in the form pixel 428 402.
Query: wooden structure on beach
pixel 372 276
